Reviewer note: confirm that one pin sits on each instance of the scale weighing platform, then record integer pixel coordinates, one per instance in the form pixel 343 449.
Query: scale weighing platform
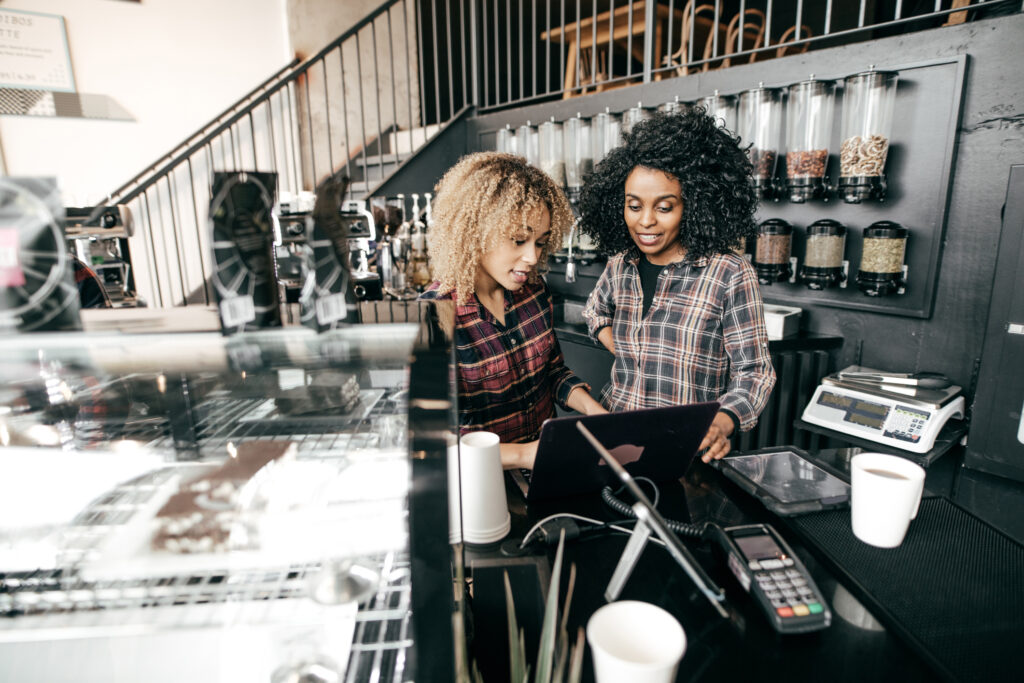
pixel 897 416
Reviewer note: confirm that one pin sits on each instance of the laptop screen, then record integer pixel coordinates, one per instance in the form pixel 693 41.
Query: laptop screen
pixel 657 443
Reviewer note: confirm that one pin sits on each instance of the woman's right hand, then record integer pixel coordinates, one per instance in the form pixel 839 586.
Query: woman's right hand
pixel 518 455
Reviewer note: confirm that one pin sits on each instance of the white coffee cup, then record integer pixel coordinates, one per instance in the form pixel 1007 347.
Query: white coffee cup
pixel 636 642
pixel 886 492
pixel 484 508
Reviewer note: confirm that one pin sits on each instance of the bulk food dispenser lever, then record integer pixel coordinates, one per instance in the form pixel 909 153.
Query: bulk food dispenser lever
pixel 809 112
pixel 869 102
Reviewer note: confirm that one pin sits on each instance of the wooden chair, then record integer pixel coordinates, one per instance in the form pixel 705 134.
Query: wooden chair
pixel 957 17
pixel 704 24
pixel 753 38
pixel 788 36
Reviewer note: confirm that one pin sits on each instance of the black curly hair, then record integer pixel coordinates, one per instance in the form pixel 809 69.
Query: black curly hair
pixel 719 200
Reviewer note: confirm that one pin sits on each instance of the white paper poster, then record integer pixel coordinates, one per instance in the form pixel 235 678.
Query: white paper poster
pixel 34 52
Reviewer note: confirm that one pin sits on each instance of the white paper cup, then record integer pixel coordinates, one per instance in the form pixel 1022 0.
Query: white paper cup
pixel 886 492
pixel 485 516
pixel 636 642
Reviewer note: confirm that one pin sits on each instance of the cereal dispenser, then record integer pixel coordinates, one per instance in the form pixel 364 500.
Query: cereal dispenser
pixel 869 101
pixel 772 254
pixel 505 140
pixel 722 108
pixel 526 143
pixel 578 156
pixel 551 151
pixel 823 264
pixel 760 126
pixel 633 116
pixel 606 133
pixel 881 263
pixel 808 131
pixel 673 107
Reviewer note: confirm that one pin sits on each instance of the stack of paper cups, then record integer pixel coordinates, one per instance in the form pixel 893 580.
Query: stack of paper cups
pixel 485 517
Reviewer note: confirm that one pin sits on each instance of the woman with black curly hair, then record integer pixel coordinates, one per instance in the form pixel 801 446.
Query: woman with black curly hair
pixel 679 309
pixel 496 221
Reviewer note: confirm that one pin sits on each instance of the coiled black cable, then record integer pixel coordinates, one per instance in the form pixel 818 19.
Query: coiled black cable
pixel 682 528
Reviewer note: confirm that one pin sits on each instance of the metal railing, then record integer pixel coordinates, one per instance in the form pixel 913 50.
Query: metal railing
pixel 373 97
pixel 535 50
pixel 355 108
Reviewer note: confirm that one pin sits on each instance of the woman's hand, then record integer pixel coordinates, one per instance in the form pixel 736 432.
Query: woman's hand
pixel 716 441
pixel 518 455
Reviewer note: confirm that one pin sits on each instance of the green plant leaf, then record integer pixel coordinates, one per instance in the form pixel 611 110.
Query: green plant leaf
pixel 546 649
pixel 576 663
pixel 516 645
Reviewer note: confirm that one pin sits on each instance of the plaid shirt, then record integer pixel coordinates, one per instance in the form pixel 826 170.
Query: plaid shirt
pixel 703 338
pixel 509 375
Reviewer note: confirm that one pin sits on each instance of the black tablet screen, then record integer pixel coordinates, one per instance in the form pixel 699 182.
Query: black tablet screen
pixel 788 477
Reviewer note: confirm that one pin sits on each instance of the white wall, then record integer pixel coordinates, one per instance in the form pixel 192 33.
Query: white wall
pixel 173 64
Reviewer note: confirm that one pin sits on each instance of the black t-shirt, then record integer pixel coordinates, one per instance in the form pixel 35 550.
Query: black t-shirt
pixel 648 282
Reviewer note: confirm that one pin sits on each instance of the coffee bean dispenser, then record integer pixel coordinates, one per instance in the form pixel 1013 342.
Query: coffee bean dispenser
pixel 772 254
pixel 550 151
pixel 605 134
pixel 869 101
pixel 881 263
pixel 808 132
pixel 760 126
pixel 823 264
pixel 722 108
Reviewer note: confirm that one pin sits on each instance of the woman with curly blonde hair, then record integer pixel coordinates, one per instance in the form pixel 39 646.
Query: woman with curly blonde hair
pixel 496 221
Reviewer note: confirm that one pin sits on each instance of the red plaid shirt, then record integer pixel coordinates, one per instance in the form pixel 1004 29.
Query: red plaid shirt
pixel 510 375
pixel 703 338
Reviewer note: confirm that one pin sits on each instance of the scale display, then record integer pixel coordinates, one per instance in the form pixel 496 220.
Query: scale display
pixel 887 420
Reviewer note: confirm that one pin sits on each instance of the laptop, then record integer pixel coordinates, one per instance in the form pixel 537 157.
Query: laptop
pixel 657 443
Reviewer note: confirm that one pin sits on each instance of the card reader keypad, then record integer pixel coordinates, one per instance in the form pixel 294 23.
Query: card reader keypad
pixel 786 588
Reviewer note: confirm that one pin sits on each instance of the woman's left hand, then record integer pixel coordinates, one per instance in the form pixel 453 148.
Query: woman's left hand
pixel 716 441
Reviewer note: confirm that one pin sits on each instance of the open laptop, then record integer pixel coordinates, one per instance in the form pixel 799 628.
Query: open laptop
pixel 658 443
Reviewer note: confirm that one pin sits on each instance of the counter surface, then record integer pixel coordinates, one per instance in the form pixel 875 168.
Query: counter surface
pixel 854 647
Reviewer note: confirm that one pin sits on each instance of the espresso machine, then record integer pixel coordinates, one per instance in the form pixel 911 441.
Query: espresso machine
pixel 98 237
pixel 362 236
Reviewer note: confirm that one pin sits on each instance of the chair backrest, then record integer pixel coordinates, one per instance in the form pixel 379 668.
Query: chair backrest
pixel 789 35
pixel 696 17
pixel 752 32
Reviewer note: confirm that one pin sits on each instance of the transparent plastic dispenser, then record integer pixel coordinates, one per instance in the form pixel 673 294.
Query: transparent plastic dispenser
pixel 809 111
pixel 722 108
pixel 633 116
pixel 550 151
pixel 505 140
pixel 760 126
pixel 773 252
pixel 823 264
pixel 606 132
pixel 673 107
pixel 527 143
pixel 882 271
pixel 578 155
pixel 869 103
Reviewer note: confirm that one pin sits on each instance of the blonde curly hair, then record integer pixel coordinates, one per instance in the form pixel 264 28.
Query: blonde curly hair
pixel 481 201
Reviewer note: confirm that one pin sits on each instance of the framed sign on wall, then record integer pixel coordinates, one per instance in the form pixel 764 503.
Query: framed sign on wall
pixel 34 51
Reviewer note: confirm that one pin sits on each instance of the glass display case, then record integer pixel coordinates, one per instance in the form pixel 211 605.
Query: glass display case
pixel 267 506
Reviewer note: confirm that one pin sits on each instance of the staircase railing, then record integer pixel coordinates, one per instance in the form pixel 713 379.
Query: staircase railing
pixel 353 107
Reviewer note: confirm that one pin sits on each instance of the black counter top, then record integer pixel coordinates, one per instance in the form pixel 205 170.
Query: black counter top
pixel 856 647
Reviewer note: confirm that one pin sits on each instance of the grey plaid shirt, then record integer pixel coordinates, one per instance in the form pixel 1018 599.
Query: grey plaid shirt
pixel 703 338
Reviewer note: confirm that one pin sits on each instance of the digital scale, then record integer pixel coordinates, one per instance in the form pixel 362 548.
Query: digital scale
pixel 900 417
